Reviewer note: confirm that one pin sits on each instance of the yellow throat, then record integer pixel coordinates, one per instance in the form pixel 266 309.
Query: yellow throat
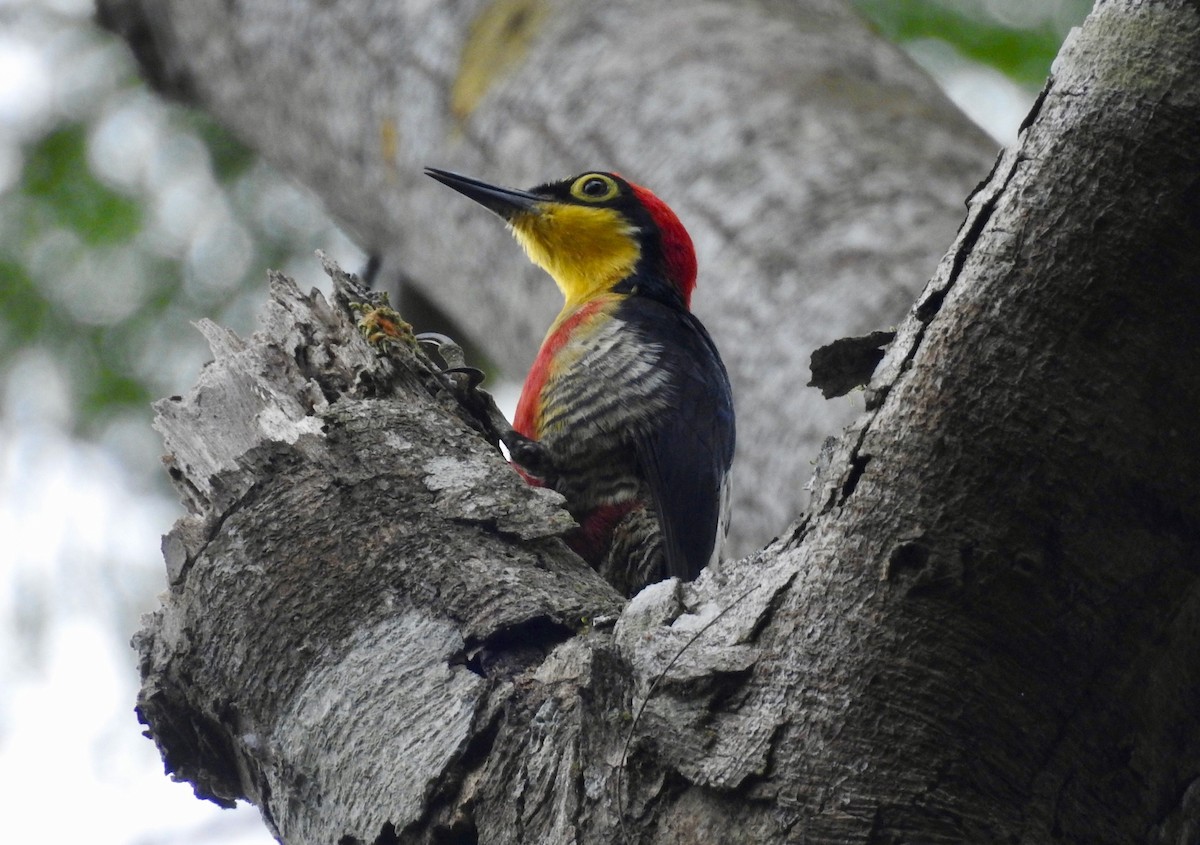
pixel 585 250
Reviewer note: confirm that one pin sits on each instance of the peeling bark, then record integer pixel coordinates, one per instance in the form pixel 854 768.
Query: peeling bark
pixel 324 482
pixel 984 629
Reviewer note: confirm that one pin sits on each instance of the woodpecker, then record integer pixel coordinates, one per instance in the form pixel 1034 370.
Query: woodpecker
pixel 627 409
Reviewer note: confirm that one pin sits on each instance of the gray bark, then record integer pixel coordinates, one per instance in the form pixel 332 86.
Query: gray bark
pixel 984 629
pixel 820 173
pixel 325 483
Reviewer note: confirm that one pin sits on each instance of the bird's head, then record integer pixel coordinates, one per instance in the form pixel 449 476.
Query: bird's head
pixel 594 233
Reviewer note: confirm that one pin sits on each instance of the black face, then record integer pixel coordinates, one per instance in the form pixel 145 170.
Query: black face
pixel 607 190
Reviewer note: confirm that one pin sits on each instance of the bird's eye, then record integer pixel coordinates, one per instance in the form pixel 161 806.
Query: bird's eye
pixel 594 187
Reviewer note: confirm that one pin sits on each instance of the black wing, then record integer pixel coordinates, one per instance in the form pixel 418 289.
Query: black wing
pixel 687 453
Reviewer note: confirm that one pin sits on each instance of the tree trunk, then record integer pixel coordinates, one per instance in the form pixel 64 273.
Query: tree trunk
pixel 984 629
pixel 820 173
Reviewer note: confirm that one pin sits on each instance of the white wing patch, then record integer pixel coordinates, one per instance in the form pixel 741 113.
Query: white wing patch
pixel 722 527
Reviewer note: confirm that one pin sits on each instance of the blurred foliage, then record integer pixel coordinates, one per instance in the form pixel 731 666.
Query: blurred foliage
pixel 1020 38
pixel 57 190
pixel 63 191
pixel 229 157
pixel 23 311
pixel 99 284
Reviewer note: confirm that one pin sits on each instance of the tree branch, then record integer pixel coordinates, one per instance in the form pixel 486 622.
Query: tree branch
pixel 348 531
pixel 984 629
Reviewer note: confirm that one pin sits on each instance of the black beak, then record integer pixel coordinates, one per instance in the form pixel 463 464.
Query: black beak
pixel 507 202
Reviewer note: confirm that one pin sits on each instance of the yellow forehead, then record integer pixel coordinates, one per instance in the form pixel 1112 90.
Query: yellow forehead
pixel 585 249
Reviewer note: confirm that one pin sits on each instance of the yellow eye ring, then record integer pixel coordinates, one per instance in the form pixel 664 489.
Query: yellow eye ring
pixel 594 187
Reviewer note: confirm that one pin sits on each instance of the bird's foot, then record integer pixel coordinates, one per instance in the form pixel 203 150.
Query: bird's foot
pixel 463 382
pixel 532 457
pixel 452 356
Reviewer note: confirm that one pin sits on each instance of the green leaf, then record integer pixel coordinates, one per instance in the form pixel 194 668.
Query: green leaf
pixel 1024 55
pixel 57 178
pixel 23 310
pixel 110 392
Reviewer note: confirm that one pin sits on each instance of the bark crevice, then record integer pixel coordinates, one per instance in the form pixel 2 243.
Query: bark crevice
pixel 984 629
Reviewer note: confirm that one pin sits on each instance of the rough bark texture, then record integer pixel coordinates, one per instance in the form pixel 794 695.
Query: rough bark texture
pixel 354 555
pixel 820 173
pixel 984 630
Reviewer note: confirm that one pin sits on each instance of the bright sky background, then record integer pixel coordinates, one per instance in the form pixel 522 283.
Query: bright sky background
pixel 79 531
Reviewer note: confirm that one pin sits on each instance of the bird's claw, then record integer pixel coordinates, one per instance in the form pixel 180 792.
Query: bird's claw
pixel 478 404
pixel 450 352
pixel 453 357
pixel 474 375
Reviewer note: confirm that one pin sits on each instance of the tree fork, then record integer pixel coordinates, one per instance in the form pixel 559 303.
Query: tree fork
pixel 984 630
